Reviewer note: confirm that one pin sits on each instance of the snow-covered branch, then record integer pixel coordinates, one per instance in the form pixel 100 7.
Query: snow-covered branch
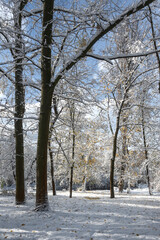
pixel 100 33
pixel 142 54
pixel 99 57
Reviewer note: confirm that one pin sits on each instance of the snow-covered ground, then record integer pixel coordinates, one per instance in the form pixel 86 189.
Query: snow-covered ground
pixel 90 216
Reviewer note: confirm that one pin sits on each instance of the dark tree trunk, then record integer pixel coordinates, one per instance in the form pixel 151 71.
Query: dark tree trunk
pixel 72 115
pixel 112 163
pixel 45 108
pixel 112 178
pixel 114 157
pixel 42 146
pixel 19 104
pixel 71 181
pixel 148 180
pixel 146 153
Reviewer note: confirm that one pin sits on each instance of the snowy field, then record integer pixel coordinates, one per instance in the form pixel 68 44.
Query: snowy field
pixel 90 216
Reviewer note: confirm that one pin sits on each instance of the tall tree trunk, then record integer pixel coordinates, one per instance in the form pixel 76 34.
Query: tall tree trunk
pixel 146 152
pixel 42 146
pixel 112 162
pixel 19 102
pixel 45 107
pixel 72 116
pixel 19 111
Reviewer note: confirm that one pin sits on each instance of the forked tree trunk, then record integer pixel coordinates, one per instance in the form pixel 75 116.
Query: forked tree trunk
pixel 45 108
pixel 112 162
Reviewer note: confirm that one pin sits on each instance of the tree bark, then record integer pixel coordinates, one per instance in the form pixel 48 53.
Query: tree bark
pixel 112 162
pixel 19 111
pixel 71 181
pixel 112 178
pixel 19 103
pixel 72 115
pixel 146 153
pixel 45 108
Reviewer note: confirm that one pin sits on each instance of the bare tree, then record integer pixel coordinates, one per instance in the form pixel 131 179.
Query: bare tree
pixel 19 100
pixel 45 108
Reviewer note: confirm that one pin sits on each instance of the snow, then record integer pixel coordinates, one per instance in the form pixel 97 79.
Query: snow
pixel 5 12
pixel 2 96
pixel 88 215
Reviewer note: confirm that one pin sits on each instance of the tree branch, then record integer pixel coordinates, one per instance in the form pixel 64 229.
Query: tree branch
pixel 154 41
pixel 98 36
pixel 98 57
